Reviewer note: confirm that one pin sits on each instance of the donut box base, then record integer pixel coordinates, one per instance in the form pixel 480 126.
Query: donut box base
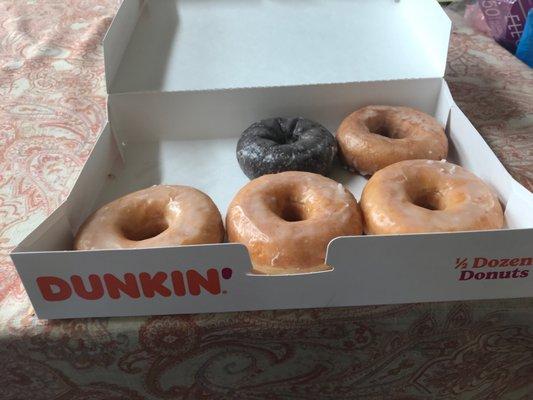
pixel 176 110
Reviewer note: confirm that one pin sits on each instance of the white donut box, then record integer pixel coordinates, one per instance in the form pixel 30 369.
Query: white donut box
pixel 186 77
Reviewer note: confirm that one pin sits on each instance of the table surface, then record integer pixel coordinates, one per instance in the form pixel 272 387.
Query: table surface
pixel 52 107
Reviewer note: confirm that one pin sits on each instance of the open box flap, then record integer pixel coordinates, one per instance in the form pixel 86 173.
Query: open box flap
pixel 182 45
pixel 118 36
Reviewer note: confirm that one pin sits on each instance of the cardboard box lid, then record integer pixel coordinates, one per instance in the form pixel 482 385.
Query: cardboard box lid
pixel 184 45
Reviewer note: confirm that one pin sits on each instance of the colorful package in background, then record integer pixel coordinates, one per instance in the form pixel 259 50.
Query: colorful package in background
pixel 506 20
pixel 525 47
pixel 475 18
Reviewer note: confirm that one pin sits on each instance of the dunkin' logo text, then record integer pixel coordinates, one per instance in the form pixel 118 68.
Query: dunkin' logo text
pixel 134 286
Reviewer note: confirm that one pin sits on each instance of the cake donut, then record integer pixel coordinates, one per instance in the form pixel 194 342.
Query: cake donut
pixel 158 216
pixel 428 196
pixel 286 220
pixel 376 136
pixel 285 144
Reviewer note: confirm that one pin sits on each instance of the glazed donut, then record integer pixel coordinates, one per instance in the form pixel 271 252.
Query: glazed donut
pixel 376 136
pixel 285 144
pixel 155 217
pixel 428 196
pixel 286 220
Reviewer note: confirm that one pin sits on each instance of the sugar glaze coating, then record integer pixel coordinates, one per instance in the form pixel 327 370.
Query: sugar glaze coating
pixel 158 216
pixel 285 144
pixel 286 220
pixel 376 136
pixel 418 196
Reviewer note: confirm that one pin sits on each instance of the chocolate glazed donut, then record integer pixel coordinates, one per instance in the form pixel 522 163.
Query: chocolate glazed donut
pixel 285 144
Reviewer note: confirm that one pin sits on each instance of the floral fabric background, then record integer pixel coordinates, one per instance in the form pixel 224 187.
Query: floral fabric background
pixel 52 107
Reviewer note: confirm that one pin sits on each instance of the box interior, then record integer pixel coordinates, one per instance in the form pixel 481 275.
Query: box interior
pixel 208 162
pixel 161 142
pixel 190 138
pixel 179 45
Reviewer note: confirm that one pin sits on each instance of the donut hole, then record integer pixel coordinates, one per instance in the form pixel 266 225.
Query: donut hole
pixel 428 200
pixel 285 140
pixel 145 222
pixel 378 125
pixel 290 208
pixel 293 212
pixel 381 130
pixel 280 131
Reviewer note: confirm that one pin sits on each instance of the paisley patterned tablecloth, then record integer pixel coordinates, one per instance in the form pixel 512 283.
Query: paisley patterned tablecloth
pixel 52 107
